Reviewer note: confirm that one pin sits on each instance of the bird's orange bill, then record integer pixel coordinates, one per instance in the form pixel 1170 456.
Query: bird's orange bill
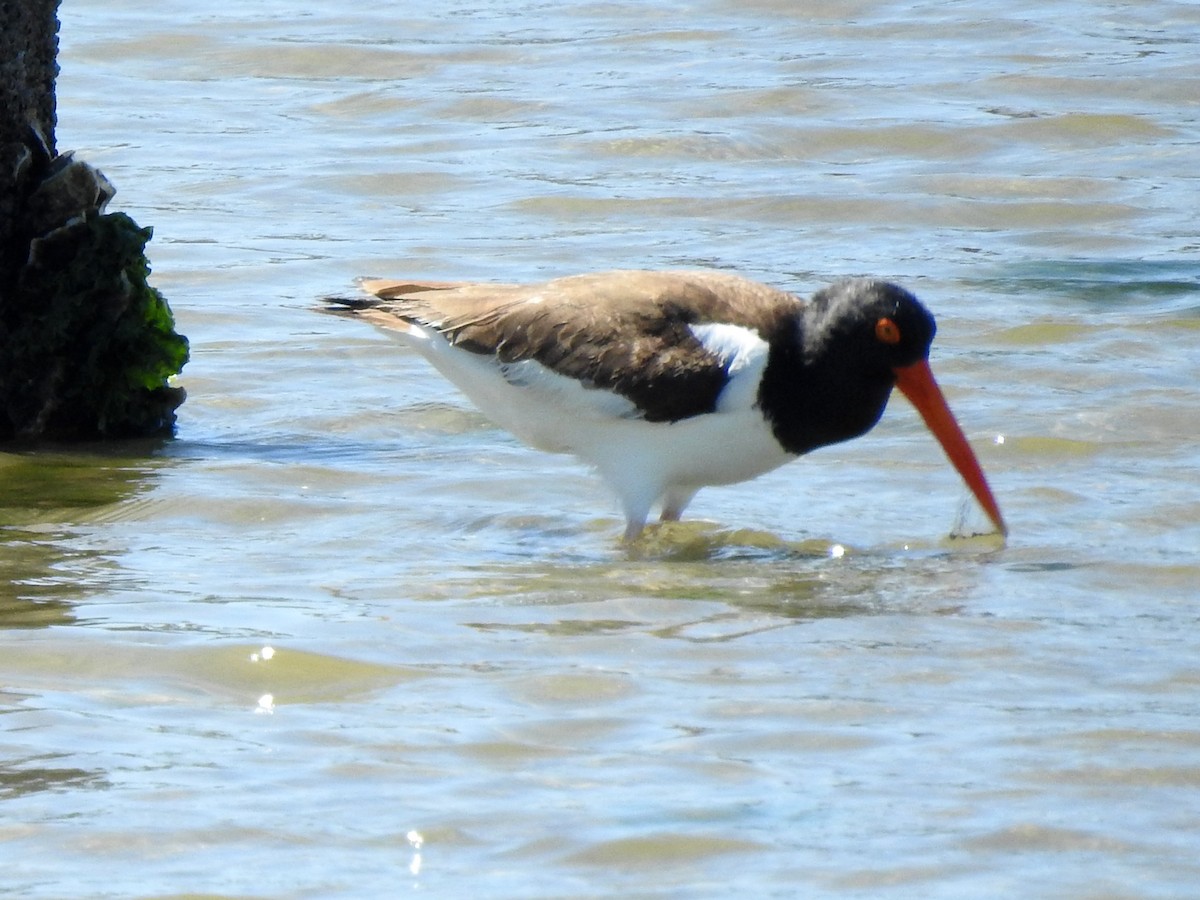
pixel 917 383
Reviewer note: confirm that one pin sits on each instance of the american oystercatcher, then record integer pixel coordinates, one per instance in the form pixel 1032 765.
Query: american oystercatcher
pixel 666 382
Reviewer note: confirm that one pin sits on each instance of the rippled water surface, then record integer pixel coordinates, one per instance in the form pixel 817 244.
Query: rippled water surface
pixel 343 638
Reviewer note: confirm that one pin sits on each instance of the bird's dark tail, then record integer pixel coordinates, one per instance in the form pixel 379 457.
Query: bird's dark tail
pixel 346 306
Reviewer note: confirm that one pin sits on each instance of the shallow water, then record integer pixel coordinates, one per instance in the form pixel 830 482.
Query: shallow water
pixel 806 690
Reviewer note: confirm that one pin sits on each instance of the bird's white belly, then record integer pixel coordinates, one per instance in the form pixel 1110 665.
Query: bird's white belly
pixel 718 448
pixel 543 409
pixel 641 460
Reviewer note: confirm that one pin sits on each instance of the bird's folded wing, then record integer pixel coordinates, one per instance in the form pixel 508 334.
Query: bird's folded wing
pixel 636 334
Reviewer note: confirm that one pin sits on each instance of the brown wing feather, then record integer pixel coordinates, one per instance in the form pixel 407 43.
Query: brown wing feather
pixel 621 331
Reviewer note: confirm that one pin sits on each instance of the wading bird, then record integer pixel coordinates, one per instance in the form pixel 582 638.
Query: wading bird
pixel 666 382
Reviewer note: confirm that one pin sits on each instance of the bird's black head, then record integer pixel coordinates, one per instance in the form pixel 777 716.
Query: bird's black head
pixel 871 325
pixel 852 344
pixel 830 380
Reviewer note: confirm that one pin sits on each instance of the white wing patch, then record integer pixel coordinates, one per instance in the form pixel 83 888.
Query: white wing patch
pixel 744 354
pixel 539 406
pixel 568 393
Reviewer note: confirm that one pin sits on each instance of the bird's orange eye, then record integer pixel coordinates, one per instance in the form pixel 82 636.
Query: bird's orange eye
pixel 887 331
